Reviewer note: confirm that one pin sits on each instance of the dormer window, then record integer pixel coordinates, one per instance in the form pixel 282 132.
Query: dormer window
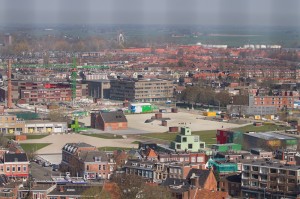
pixel 149 166
pixel 134 164
pixel 97 159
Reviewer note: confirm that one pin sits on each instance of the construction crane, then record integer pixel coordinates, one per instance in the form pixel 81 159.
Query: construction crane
pixel 73 80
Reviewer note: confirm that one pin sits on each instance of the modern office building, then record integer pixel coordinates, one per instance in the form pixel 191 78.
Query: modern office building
pixel 141 90
pixel 99 89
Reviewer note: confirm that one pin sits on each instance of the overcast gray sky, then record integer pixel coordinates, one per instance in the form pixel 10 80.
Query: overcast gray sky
pixel 202 12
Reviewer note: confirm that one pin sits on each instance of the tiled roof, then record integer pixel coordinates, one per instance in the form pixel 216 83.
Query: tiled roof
pixel 89 156
pixel 208 194
pixel 202 175
pixel 116 116
pixel 15 157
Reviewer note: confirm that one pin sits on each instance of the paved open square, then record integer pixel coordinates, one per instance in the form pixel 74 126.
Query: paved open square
pixel 194 121
pixel 137 125
pixel 59 140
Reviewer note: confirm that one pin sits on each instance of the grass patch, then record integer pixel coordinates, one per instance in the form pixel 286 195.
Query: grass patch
pixel 32 147
pixel 32 137
pixel 105 136
pixel 135 142
pixel 209 136
pixel 113 148
pixel 263 128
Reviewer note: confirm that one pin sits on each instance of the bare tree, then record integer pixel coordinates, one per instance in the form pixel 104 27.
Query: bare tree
pixel 57 116
pixel 150 192
pixel 96 192
pixel 130 185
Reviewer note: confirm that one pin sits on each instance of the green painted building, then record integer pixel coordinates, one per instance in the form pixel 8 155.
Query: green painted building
pixel 222 166
pixel 226 147
pixel 185 141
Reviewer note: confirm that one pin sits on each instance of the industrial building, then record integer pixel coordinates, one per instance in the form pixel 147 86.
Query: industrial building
pixel 141 90
pixel 268 141
pixel 114 120
pixel 10 124
pixel 261 179
pixel 226 147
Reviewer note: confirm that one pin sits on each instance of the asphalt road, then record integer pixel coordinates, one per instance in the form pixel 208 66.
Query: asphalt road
pixel 41 173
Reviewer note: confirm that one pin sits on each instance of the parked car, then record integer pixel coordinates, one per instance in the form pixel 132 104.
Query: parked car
pixel 55 167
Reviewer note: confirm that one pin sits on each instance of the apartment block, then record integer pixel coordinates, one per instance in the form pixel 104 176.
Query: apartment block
pixel 285 99
pixel 32 92
pixel 141 90
pixel 262 179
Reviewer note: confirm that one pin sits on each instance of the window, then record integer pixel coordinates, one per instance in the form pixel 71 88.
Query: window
pixel 190 146
pixel 104 167
pixel 100 167
pixel 24 168
pixel 178 146
pixel 200 159
pixel 193 159
pixel 8 168
pixel 19 168
pixel 184 139
pixel 87 167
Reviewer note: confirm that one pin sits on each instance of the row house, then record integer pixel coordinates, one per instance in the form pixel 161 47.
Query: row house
pixel 157 171
pixel 84 160
pixel 15 165
pixel 199 158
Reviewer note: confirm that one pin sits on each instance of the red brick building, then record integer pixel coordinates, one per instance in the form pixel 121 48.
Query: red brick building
pixel 84 160
pixel 115 120
pixel 285 99
pixel 15 165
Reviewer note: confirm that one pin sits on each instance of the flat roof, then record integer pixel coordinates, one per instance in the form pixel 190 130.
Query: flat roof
pixel 272 164
pixel 270 136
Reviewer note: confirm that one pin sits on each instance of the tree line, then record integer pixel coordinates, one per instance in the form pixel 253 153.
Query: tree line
pixel 204 95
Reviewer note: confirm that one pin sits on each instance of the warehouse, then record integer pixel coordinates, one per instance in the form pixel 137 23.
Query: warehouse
pixel 269 141
pixel 114 120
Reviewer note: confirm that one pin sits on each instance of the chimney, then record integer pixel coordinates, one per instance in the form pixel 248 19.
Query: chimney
pixel 9 94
